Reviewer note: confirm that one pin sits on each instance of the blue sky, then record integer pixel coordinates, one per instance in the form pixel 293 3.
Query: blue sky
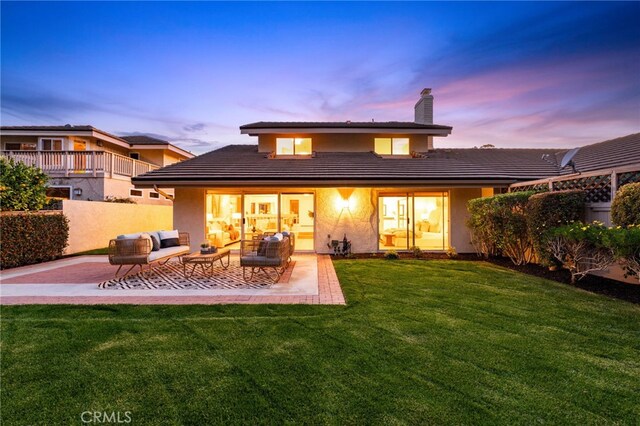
pixel 514 74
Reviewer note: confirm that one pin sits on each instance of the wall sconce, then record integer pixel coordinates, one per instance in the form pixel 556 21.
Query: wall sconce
pixel 77 192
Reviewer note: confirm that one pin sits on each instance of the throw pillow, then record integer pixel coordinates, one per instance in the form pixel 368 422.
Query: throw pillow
pixel 155 242
pixel 262 248
pixel 169 239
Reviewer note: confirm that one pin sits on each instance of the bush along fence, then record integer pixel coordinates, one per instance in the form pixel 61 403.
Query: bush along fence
pixel 548 228
pixel 32 237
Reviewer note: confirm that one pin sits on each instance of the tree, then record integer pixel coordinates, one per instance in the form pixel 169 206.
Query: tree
pixel 22 187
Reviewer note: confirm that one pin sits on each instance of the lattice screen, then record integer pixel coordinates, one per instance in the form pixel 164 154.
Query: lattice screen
pixel 596 188
pixel 628 177
pixel 538 187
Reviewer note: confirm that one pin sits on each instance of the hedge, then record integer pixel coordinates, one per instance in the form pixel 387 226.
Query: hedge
pixel 549 210
pixel 498 226
pixel 625 209
pixel 29 238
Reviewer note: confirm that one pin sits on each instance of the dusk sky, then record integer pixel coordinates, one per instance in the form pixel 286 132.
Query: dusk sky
pixel 512 74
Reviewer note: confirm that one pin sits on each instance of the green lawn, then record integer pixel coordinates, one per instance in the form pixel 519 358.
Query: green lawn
pixel 448 342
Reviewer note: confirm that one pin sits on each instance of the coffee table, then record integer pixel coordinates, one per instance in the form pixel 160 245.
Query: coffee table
pixel 205 261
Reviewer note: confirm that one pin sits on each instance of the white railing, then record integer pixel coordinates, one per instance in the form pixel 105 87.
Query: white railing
pixel 71 163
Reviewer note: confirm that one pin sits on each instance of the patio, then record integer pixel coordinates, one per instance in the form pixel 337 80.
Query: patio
pixel 310 279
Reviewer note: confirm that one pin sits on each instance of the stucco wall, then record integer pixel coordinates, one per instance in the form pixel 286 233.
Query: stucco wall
pixel 189 214
pixel 460 238
pixel 358 221
pixel 346 142
pixel 92 224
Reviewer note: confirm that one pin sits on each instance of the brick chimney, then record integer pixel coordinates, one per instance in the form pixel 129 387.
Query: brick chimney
pixel 424 108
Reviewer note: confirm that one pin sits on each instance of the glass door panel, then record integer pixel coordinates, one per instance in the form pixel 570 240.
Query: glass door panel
pixel 260 214
pixel 297 215
pixel 395 217
pixel 431 229
pixel 223 219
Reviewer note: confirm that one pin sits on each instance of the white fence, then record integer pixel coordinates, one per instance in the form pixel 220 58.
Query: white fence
pixel 67 163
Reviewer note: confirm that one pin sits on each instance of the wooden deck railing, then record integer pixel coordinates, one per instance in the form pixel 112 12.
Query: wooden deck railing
pixel 71 163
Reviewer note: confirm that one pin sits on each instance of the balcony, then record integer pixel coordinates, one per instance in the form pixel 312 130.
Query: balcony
pixel 81 163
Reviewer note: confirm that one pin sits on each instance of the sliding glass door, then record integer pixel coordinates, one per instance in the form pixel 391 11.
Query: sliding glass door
pixel 231 217
pixel 413 220
pixel 223 219
pixel 297 215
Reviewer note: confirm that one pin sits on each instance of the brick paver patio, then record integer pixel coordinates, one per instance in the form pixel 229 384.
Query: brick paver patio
pixel 313 280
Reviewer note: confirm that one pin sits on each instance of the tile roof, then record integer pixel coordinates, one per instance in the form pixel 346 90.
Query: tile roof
pixel 605 155
pixel 243 164
pixel 144 140
pixel 341 125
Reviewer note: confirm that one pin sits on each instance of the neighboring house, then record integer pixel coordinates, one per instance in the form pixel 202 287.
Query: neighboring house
pixel 382 184
pixel 85 163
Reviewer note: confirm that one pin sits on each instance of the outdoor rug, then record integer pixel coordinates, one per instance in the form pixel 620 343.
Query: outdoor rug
pixel 170 276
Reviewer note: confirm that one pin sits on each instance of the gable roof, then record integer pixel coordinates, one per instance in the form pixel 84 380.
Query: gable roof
pixel 243 165
pixel 262 127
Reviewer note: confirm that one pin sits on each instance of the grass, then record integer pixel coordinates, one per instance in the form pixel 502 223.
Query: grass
pixel 419 342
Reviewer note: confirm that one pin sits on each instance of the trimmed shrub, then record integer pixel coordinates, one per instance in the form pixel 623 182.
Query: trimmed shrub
pixel 625 243
pixel 581 248
pixel 121 200
pixel 508 212
pixel 482 232
pixel 498 226
pixel 391 255
pixel 625 209
pixel 549 210
pixel 32 238
pixel 22 187
pixel 417 252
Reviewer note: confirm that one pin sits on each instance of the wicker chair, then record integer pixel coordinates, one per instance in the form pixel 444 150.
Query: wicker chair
pixel 137 252
pixel 292 243
pixel 260 255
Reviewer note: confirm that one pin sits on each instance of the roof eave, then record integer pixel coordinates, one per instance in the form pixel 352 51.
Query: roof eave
pixel 355 130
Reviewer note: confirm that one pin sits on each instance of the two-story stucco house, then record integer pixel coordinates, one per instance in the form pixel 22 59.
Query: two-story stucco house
pixel 85 163
pixel 382 184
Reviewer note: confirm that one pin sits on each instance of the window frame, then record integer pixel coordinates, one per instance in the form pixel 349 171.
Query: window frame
pixel 34 144
pixel 392 144
pixel 52 139
pixel 293 147
pixel 136 196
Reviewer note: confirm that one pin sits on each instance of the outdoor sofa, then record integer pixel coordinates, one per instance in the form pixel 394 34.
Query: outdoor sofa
pixel 145 248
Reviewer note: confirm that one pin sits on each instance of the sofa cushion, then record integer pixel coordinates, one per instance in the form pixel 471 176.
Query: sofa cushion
pixel 169 238
pixel 129 236
pixel 168 252
pixel 155 241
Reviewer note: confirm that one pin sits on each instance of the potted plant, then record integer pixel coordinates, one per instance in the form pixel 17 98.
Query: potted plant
pixel 205 248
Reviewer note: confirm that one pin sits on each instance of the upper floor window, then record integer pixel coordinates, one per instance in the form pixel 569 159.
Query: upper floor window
pixel 49 144
pixel 392 146
pixel 20 146
pixel 293 146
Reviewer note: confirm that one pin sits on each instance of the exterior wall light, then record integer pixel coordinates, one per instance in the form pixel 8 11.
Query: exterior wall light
pixel 77 192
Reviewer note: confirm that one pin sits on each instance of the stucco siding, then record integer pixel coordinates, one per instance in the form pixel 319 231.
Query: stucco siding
pixel 189 214
pixel 358 221
pixel 460 238
pixel 92 224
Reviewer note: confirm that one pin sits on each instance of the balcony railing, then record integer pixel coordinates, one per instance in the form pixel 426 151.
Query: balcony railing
pixel 72 163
